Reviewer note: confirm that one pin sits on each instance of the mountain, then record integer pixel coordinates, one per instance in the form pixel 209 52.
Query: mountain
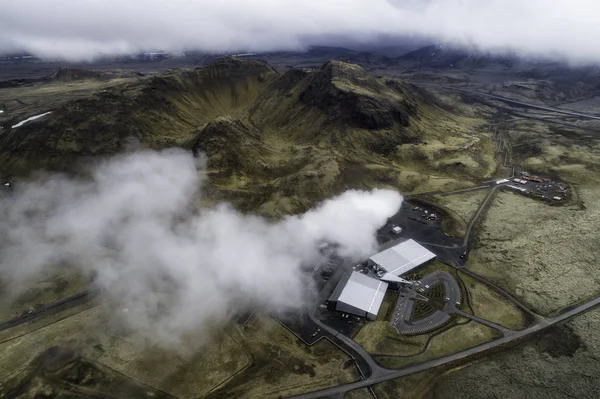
pixel 276 140
pixel 66 74
pixel 444 56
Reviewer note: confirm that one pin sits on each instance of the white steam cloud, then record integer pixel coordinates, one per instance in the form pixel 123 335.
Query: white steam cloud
pixel 173 265
pixel 80 29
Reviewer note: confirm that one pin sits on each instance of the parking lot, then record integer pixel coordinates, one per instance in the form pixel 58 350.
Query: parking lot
pixel 539 188
pixel 417 221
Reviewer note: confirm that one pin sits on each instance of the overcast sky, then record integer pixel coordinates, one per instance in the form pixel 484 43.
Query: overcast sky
pixel 79 29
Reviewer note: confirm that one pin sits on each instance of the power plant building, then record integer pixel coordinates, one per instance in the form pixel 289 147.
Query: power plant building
pixel 358 294
pixel 402 258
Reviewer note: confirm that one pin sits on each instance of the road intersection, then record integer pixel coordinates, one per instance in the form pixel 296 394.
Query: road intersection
pixel 508 336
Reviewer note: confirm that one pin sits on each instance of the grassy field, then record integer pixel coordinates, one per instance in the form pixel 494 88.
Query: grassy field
pixel 50 285
pixel 186 373
pixel 458 337
pixel 22 102
pixel 16 353
pixel 61 374
pixel 183 372
pixel 561 363
pixel 487 303
pixel 281 364
pixel 413 183
pixel 262 360
pixel 359 394
pixel 547 261
pixel 464 206
pixel 545 255
pixel 409 387
pixel 379 337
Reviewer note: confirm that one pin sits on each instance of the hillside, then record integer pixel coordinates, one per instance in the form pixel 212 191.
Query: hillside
pixel 276 141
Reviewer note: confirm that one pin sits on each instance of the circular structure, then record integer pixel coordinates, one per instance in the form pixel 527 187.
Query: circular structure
pixel 428 307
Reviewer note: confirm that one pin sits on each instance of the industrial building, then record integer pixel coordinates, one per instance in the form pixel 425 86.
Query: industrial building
pixel 358 294
pixel 402 258
pixel 361 295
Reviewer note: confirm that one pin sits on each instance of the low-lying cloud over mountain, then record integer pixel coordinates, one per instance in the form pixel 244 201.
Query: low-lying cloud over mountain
pixel 174 266
pixel 79 29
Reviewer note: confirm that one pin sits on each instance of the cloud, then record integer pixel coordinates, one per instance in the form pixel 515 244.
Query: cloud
pixel 79 29
pixel 176 267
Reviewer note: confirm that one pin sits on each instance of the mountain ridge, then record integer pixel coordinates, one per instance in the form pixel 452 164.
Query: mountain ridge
pixel 276 141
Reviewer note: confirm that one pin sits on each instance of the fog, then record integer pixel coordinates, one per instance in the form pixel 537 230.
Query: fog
pixel 82 29
pixel 172 265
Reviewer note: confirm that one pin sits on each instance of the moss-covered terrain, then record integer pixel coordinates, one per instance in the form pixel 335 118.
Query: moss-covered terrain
pixel 84 354
pixel 561 363
pixel 276 141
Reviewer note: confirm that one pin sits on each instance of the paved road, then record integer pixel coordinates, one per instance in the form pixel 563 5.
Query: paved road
pixel 383 374
pixel 486 184
pixel 471 225
pixel 505 331
pixel 511 101
pixel 376 369
pixel 464 190
pixel 46 309
pixel 493 185
pixel 416 368
pixel 507 294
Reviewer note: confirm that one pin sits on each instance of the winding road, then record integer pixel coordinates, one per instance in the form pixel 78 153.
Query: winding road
pixel 471 224
pixel 46 309
pixel 510 101
pixel 376 369
pixel 505 331
pixel 380 374
pixel 423 366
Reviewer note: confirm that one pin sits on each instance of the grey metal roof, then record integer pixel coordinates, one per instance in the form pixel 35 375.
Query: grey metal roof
pixel 340 287
pixel 402 258
pixel 362 292
pixel 390 278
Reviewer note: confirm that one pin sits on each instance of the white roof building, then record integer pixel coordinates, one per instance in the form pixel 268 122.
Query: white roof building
pixel 402 258
pixel 359 294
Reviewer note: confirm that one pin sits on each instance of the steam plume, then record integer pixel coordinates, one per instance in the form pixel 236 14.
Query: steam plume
pixel 136 226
